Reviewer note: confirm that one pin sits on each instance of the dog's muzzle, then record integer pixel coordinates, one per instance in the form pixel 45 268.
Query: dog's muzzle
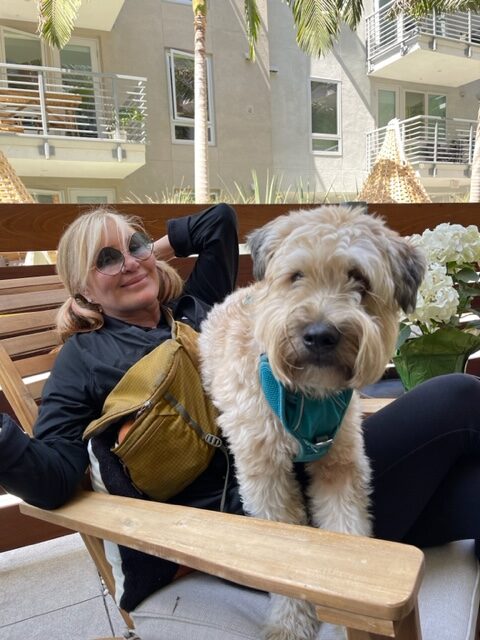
pixel 320 339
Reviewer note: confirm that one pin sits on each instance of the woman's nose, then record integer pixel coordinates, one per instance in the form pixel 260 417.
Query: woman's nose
pixel 129 263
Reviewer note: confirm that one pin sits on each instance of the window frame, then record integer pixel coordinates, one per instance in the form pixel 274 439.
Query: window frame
pixel 426 95
pixel 182 121
pixel 75 192
pixel 322 136
pixel 48 192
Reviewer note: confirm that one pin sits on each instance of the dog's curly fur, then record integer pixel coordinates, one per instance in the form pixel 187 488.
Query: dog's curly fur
pixel 324 309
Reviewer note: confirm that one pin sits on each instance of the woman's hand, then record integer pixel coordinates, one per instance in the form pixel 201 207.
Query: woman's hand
pixel 163 249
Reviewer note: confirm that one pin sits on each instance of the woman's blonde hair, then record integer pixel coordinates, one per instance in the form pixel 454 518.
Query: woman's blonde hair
pixel 77 252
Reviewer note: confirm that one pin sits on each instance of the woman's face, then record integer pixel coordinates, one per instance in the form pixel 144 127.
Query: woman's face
pixel 131 294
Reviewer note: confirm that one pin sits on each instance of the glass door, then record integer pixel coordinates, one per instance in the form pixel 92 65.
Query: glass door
pixel 80 58
pixel 387 100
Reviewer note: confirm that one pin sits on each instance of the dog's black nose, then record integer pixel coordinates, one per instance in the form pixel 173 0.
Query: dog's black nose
pixel 320 336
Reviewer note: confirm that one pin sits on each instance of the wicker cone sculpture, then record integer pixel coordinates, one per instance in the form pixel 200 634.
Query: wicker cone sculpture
pixel 392 178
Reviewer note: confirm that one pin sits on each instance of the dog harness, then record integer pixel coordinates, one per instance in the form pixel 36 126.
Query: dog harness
pixel 312 422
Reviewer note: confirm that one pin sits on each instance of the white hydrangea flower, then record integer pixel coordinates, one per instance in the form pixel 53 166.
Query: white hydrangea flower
pixel 451 243
pixel 437 299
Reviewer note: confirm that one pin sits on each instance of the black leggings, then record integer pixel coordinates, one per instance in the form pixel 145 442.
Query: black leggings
pixel 424 450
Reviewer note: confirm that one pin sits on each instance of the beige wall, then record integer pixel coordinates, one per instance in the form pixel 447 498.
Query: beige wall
pixel 241 91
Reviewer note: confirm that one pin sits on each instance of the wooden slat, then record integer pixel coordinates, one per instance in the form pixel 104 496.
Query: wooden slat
pixel 30 227
pixel 33 343
pixel 32 300
pixel 24 271
pixel 35 389
pixel 372 405
pixel 329 569
pixel 36 364
pixel 18 395
pixel 18 530
pixel 23 285
pixel 19 323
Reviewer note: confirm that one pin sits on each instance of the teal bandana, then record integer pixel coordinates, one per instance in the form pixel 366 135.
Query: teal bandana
pixel 313 422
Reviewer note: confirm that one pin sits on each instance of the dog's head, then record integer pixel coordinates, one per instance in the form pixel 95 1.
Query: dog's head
pixel 332 281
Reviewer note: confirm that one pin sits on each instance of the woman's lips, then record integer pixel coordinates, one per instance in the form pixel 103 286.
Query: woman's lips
pixel 134 281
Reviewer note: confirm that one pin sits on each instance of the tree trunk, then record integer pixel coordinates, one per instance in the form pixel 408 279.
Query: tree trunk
pixel 202 190
pixel 475 175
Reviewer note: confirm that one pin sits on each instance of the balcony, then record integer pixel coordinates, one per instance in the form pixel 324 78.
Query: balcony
pixel 436 147
pixel 442 49
pixel 94 14
pixel 71 123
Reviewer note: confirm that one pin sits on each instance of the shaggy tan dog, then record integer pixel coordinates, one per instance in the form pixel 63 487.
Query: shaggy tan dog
pixel 320 321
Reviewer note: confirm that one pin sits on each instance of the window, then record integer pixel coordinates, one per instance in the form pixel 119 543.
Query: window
pixel 45 196
pixel 387 106
pixel 91 196
pixel 325 102
pixel 182 102
pixel 431 105
pixel 80 56
pixel 425 104
pixel 23 49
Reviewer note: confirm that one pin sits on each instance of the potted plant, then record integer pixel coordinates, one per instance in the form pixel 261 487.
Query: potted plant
pixel 129 118
pixel 444 330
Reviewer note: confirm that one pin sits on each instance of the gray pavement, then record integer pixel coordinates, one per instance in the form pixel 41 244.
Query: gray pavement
pixel 52 591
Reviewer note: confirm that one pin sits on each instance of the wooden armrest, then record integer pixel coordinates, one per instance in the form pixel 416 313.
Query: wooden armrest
pixel 347 577
pixel 372 405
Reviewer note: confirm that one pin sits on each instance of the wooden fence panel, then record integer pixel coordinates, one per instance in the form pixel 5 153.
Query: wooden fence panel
pixel 37 227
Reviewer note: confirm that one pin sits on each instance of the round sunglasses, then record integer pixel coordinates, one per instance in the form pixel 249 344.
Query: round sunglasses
pixel 110 261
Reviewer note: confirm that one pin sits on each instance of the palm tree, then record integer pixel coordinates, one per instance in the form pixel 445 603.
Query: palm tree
pixel 202 186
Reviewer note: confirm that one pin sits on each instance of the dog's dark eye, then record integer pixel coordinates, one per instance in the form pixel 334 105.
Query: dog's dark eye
pixel 360 281
pixel 298 275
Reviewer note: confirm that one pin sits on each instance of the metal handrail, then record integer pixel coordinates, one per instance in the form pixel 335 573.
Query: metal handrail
pixel 429 139
pixel 54 102
pixel 385 31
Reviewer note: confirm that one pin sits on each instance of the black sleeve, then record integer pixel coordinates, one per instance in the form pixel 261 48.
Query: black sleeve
pixel 212 234
pixel 45 470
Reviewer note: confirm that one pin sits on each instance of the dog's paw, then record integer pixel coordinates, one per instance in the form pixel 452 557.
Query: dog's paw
pixel 291 620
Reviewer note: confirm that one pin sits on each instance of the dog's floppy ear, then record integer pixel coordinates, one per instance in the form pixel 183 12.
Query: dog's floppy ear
pixel 265 241
pixel 257 242
pixel 408 270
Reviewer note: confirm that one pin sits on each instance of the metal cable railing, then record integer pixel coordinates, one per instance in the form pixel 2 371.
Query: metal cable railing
pixel 429 139
pixel 47 101
pixel 385 31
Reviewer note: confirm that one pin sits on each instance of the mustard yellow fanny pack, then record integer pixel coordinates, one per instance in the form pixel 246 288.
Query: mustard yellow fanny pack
pixel 174 432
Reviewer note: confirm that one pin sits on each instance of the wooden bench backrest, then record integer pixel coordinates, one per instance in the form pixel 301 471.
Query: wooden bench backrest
pixel 28 307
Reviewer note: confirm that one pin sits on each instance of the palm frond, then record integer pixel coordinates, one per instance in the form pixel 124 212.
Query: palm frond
pixel 317 23
pixel 351 11
pixel 252 21
pixel 199 7
pixel 57 20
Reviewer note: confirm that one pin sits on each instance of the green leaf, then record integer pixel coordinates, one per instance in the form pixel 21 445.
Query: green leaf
pixel 252 21
pixel 318 22
pixel 444 351
pixel 403 335
pixel 467 274
pixel 57 20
